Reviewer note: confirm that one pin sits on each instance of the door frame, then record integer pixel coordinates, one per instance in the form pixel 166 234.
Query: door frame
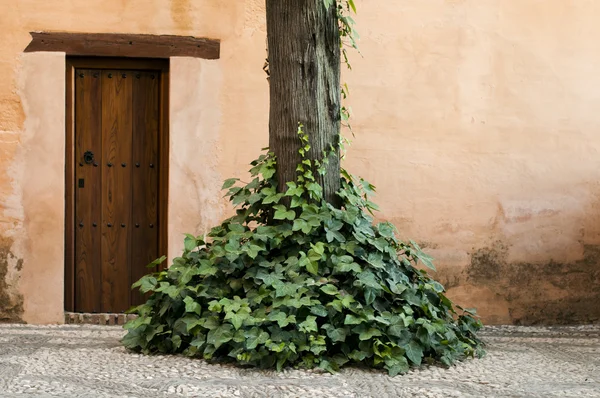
pixel 161 65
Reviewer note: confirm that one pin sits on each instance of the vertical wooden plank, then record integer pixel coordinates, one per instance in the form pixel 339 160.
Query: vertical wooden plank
pixel 146 118
pixel 69 188
pixel 87 186
pixel 116 188
pixel 163 172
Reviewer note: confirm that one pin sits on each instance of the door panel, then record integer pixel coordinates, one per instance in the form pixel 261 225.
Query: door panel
pixel 88 114
pixel 117 118
pixel 145 182
pixel 116 188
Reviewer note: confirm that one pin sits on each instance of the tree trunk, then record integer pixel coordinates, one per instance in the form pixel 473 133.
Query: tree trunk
pixel 304 74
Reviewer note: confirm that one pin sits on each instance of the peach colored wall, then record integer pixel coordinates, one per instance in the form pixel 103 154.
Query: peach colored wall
pixel 476 119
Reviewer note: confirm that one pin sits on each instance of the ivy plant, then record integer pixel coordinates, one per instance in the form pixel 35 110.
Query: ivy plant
pixel 290 280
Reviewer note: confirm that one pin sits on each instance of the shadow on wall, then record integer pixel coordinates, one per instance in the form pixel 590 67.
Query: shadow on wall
pixel 11 304
pixel 550 293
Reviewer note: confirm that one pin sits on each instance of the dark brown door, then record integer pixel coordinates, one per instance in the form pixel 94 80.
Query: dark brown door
pixel 116 187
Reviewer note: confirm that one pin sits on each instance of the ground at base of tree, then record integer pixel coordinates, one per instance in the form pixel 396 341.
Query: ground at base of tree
pixel 83 360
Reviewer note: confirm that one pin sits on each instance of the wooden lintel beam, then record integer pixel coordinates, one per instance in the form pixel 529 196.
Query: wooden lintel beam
pixel 124 45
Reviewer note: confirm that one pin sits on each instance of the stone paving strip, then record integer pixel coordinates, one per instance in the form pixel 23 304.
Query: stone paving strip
pixel 88 361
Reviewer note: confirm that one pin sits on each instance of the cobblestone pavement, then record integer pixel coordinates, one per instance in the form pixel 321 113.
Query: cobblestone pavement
pixel 88 361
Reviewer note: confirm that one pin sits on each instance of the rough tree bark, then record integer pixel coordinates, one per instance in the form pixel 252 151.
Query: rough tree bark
pixel 304 73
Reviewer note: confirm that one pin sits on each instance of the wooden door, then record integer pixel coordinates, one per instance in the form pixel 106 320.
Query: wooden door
pixel 116 123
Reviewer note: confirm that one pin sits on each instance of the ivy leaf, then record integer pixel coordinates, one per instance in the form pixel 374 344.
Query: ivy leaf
pixel 207 269
pixel 220 335
pixel 255 337
pixel 414 352
pixel 285 289
pixel 229 183
pixel 275 198
pixel 367 278
pixel 318 248
pixel 299 224
pixel 369 333
pixel 347 267
pixel 191 305
pixel 353 320
pixel 396 366
pixel 309 325
pixel 312 267
pixel 236 318
pixel 297 202
pixel 319 310
pixel 385 229
pixel 156 262
pixel 358 355
pixel 334 235
pixel 330 290
pixel 351 4
pixel 281 213
pixel 189 243
pixel 146 283
pixel 282 318
pixel 424 258
pixel 336 334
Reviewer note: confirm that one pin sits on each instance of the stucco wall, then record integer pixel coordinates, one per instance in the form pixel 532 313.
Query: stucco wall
pixel 476 119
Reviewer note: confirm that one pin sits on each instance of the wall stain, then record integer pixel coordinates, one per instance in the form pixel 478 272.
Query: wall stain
pixel 11 306
pixel 181 14
pixel 544 293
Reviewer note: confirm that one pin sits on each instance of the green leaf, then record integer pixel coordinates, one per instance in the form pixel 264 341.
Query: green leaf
pixel 309 325
pixel 369 333
pixel 334 235
pixel 220 335
pixel 424 258
pixel 281 318
pixel 358 355
pixel 351 4
pixel 330 290
pixel 157 262
pixel 367 278
pixel 297 201
pixel 353 320
pixel 281 213
pixel 176 341
pixel 369 296
pixel 414 352
pixel 319 310
pixel 229 183
pixel 312 267
pixel 396 366
pixel 207 269
pixel 146 283
pixel 348 267
pixel 275 198
pixel 300 224
pixel 336 304
pixel 192 306
pixel 236 318
pixel 386 229
pixel 318 248
pixel 336 334
pixel 255 337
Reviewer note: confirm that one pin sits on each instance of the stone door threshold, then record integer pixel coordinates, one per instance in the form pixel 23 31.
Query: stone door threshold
pixel 77 318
